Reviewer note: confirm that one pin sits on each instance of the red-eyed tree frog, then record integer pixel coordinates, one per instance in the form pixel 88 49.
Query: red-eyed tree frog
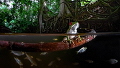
pixel 72 30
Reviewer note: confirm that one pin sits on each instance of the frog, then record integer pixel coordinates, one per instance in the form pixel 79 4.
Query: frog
pixel 73 26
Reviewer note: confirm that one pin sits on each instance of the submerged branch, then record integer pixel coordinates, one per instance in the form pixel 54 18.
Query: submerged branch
pixel 45 46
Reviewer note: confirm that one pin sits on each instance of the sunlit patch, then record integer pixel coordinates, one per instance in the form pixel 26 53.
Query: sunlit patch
pixel 41 42
pixel 55 39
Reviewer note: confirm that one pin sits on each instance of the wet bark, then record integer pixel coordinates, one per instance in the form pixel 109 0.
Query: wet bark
pixel 44 46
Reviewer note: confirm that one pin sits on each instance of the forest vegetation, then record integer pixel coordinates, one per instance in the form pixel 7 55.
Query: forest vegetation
pixel 49 16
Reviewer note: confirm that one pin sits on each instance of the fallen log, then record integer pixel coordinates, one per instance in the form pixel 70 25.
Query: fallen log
pixel 45 46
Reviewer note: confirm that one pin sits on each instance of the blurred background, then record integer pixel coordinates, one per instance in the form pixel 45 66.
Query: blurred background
pixel 54 16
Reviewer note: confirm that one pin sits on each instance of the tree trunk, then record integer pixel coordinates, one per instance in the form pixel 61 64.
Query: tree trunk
pixel 62 8
pixel 40 14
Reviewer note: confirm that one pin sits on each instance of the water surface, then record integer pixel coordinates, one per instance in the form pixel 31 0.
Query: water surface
pixel 98 53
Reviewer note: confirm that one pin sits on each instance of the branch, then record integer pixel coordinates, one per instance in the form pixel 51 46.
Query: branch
pixel 44 46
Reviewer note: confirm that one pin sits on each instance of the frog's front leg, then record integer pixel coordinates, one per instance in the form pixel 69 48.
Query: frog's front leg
pixel 79 38
pixel 69 40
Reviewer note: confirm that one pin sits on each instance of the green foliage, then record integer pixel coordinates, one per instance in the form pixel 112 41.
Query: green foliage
pixel 21 16
pixel 5 14
pixel 52 6
pixel 24 14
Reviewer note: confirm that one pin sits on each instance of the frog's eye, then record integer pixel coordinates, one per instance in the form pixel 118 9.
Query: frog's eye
pixel 70 23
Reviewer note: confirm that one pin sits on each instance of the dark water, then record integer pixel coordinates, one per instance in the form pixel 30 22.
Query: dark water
pixel 99 52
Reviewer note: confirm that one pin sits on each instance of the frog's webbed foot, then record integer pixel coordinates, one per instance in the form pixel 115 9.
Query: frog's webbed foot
pixel 79 38
pixel 70 41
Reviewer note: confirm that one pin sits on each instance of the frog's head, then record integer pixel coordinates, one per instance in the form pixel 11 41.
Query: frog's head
pixel 73 27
